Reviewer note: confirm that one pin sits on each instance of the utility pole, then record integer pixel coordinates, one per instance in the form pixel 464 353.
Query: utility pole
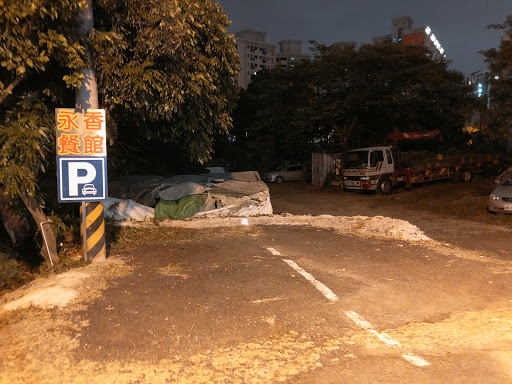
pixel 93 221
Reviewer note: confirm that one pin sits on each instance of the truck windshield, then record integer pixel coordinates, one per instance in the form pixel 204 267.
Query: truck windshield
pixel 376 157
pixel 357 159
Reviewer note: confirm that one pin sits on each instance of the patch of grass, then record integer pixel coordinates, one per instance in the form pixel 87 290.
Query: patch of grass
pixel 66 263
pixel 15 273
pixel 461 201
pixel 126 237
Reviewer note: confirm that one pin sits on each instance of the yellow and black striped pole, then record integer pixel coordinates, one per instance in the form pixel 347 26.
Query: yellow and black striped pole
pixel 94 235
pixel 93 221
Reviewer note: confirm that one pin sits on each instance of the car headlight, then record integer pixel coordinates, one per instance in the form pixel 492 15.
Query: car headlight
pixel 364 178
pixel 494 197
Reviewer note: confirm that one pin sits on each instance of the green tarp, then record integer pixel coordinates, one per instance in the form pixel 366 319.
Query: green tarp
pixel 187 206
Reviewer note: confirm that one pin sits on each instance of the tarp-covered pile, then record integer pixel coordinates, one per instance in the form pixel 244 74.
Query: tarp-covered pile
pixel 225 194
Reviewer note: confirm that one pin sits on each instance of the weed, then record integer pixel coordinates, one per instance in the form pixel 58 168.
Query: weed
pixel 13 273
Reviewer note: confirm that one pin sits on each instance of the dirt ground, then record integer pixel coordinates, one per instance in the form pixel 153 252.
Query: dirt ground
pixel 212 305
pixel 429 207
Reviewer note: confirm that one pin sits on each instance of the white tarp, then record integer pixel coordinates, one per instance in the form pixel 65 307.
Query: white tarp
pixel 177 191
pixel 254 205
pixel 229 194
pixel 123 210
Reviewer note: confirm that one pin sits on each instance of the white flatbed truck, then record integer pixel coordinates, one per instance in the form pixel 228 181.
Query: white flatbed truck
pixel 384 168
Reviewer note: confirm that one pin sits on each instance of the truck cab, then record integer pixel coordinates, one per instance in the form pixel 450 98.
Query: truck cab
pixel 367 169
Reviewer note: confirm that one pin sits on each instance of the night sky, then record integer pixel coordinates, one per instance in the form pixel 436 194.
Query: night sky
pixel 459 25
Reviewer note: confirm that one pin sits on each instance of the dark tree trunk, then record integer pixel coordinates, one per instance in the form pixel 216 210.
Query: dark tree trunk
pixel 39 217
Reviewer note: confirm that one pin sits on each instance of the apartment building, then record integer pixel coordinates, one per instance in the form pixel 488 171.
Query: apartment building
pixel 403 31
pixel 258 54
pixel 290 53
pixel 255 54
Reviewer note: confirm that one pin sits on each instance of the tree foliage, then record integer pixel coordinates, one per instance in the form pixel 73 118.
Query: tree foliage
pixel 498 118
pixel 353 97
pixel 169 75
pixel 41 56
pixel 37 49
pixel 33 33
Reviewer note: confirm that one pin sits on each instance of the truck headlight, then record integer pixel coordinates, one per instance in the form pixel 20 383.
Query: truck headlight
pixel 364 178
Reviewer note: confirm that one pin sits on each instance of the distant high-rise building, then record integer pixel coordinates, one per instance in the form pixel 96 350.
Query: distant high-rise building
pixel 480 82
pixel 403 31
pixel 290 53
pixel 257 54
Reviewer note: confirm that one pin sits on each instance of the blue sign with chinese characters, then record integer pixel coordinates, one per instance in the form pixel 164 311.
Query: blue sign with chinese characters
pixel 82 178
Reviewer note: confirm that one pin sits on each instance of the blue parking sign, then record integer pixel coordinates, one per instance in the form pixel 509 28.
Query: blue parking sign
pixel 82 178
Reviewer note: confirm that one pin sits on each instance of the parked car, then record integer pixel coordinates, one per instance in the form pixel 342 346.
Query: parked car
pixel 500 200
pixel 291 172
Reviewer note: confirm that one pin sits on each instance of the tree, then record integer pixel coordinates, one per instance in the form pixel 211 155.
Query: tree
pixel 170 74
pixel 352 97
pixel 165 68
pixel 37 47
pixel 497 118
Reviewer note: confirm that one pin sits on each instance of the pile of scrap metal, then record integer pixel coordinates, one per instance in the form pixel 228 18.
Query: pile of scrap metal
pixel 154 197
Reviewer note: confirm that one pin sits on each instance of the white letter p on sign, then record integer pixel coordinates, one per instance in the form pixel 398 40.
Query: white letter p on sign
pixel 75 180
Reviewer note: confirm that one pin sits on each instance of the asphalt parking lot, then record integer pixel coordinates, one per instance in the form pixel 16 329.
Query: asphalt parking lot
pixel 369 310
pixel 273 303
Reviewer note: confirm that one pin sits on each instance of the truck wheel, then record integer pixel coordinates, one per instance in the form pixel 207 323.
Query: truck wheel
pixel 463 175
pixel 279 180
pixel 385 186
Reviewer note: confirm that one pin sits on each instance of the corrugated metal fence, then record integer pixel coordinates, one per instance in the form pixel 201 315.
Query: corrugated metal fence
pixel 321 165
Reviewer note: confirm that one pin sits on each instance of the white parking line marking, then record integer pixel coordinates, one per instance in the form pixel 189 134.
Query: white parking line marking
pixel 357 319
pixel 273 251
pixel 386 339
pixel 318 285
pixel 267 300
pixel 330 295
pixel 415 360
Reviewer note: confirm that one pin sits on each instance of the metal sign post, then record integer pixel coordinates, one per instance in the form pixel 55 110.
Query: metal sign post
pixel 84 231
